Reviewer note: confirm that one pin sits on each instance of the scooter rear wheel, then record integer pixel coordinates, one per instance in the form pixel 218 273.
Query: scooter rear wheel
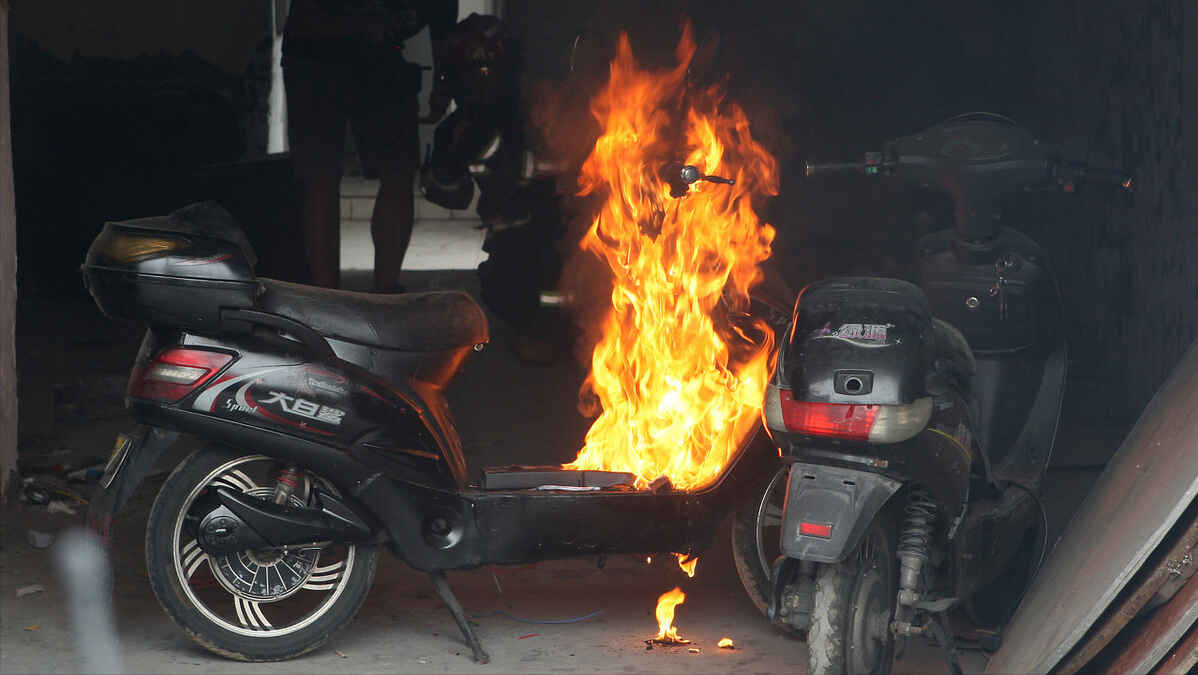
pixel 254 605
pixel 854 603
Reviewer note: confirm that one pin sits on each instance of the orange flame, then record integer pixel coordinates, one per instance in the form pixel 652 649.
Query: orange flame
pixel 680 370
pixel 687 565
pixel 665 616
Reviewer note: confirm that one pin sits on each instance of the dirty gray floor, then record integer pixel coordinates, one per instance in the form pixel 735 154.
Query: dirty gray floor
pixel 567 617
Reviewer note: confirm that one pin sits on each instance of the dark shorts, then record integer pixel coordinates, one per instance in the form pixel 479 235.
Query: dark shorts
pixel 321 98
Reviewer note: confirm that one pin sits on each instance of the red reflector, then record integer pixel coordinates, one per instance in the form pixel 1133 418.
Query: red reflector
pixel 841 420
pixel 815 530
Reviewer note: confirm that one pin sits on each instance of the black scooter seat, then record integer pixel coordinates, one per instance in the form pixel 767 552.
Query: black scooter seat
pixel 406 322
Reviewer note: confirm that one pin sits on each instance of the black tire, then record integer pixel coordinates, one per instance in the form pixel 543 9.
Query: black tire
pixel 219 608
pixel 756 535
pixel 854 604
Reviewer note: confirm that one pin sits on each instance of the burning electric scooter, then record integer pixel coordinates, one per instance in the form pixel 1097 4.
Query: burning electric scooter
pixel 325 424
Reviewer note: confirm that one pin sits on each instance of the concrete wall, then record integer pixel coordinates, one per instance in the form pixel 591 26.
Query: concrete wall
pixel 1117 81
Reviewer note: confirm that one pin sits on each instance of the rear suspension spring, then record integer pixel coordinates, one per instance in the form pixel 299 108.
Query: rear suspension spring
pixel 286 483
pixel 915 543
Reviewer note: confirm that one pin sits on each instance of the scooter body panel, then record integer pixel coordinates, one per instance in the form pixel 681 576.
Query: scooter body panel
pixel 862 341
pixel 939 459
pixel 271 395
pixel 442 528
pixel 1017 339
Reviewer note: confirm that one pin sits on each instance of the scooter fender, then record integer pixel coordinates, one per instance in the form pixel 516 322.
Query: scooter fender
pixel 131 461
pixel 828 509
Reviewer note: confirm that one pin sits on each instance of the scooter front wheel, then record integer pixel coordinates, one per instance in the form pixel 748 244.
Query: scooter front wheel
pixel 756 535
pixel 253 605
pixel 854 604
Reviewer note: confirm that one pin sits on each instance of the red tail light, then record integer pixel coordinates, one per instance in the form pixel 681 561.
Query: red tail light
pixel 848 421
pixel 839 420
pixel 175 373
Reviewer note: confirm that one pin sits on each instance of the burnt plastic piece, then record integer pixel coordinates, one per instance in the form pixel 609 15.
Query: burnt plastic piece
pixel 531 477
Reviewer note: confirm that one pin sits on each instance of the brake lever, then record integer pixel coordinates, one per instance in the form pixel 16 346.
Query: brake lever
pixel 681 176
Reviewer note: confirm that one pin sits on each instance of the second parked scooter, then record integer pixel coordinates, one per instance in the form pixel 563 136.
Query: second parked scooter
pixel 918 418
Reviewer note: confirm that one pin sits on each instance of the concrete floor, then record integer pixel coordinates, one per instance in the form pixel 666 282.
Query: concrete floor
pixel 567 616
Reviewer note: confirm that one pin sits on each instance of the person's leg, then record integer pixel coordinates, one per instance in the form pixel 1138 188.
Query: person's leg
pixel 385 128
pixel 320 224
pixel 391 226
pixel 318 96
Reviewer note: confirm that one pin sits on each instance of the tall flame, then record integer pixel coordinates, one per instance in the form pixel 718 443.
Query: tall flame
pixel 680 370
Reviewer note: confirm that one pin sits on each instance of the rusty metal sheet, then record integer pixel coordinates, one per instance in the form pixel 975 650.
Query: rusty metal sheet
pixel 1153 639
pixel 1183 659
pixel 1157 638
pixel 1139 497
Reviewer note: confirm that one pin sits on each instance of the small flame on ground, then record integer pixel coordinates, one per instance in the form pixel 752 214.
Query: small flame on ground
pixel 725 643
pixel 665 616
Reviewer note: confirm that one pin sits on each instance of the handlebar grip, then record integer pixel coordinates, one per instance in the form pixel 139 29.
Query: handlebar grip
pixel 1111 177
pixel 1077 172
pixel 813 169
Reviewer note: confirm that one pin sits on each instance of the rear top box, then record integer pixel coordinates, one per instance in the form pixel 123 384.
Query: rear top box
pixel 175 271
pixel 859 340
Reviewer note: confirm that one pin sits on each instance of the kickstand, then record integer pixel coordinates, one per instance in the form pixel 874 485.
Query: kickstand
pixel 459 615
pixel 946 642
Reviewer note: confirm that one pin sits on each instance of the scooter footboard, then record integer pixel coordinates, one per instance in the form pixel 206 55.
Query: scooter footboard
pixel 828 509
pixel 437 529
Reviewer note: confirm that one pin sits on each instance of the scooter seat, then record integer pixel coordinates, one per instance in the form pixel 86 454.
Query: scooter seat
pixel 405 322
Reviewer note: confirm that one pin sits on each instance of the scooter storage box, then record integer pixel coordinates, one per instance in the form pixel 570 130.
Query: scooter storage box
pixel 175 271
pixel 859 340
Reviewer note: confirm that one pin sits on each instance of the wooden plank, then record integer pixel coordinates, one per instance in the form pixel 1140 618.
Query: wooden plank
pixel 1148 485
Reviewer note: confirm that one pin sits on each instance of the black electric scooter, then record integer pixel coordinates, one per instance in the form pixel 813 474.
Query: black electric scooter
pixel 918 418
pixel 327 434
